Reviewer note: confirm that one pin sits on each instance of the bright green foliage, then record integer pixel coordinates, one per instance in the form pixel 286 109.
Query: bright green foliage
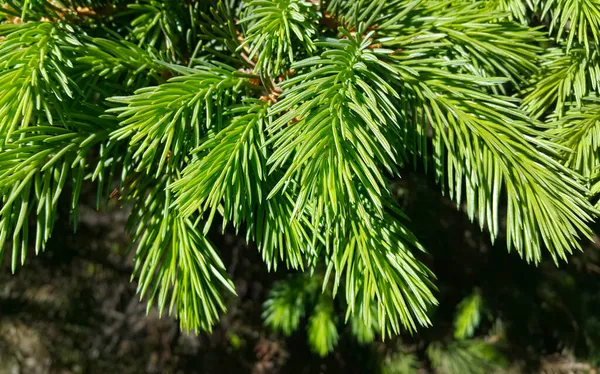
pixel 468 316
pixel 234 165
pixel 165 119
pixel 579 132
pixel 33 172
pixel 518 9
pixel 381 271
pixel 576 21
pixel 287 302
pixel 219 35
pixel 274 29
pixel 34 83
pixel 167 26
pixel 176 265
pixel 322 333
pixel 287 120
pixel 470 357
pixel 565 77
pixel 120 60
pixel 472 150
pixel 281 238
pixel 158 23
pixel 478 44
pixel 337 148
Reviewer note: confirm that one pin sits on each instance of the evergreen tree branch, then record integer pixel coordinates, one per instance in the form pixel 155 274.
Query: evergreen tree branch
pixel 33 78
pixel 486 142
pixel 382 279
pixel 166 25
pixel 566 76
pixel 274 31
pixel 518 9
pixel 333 144
pixel 220 35
pixel 231 175
pixel 165 122
pixel 579 132
pixel 120 61
pixel 574 21
pixel 177 267
pixel 478 40
pixel 468 315
pixel 283 235
pixel 341 116
pixel 322 332
pixel 34 169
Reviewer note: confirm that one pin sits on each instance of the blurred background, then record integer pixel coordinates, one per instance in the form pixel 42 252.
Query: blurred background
pixel 73 308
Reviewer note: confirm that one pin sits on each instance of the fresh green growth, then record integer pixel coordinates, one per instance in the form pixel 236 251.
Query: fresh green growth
pixel 287 120
pixel 468 316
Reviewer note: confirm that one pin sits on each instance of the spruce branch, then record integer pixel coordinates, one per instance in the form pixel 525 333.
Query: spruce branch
pixel 283 235
pixel 517 9
pixel 229 175
pixel 342 116
pixel 274 32
pixel 34 169
pixel 566 76
pixel 573 21
pixel 33 77
pixel 579 132
pixel 229 171
pixel 220 35
pixel 322 331
pixel 171 118
pixel 477 41
pixel 351 14
pixel 165 25
pixel 241 109
pixel 177 267
pixel 119 60
pixel 485 144
pixel 492 45
pixel 382 279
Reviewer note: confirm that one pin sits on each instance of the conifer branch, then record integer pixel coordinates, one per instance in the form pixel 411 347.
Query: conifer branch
pixel 574 21
pixel 171 118
pixel 177 267
pixel 322 332
pixel 382 279
pixel 579 132
pixel 34 169
pixel 266 113
pixel 275 30
pixel 566 76
pixel 33 80
pixel 485 144
pixel 231 173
